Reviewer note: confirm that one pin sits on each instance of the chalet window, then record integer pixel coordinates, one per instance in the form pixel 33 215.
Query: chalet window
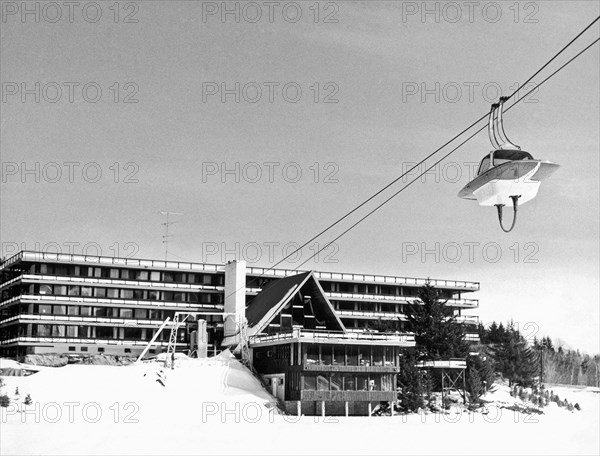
pixel 339 355
pixel 349 382
pixel 126 274
pixel 153 295
pixel 337 382
pixel 362 382
pixel 114 273
pixel 322 383
pixel 126 313
pixel 309 382
pixel 375 383
pixel 377 356
pixel 364 356
pixel 312 354
pixel 326 355
pixel 71 331
pixel 73 310
pixel 140 313
pixel 352 355
pixel 386 383
pixel 139 294
pixel 389 356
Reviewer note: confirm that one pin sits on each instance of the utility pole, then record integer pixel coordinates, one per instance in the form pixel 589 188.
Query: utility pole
pixel 167 237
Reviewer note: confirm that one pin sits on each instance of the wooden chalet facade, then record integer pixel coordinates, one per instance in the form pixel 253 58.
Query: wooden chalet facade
pixel 311 363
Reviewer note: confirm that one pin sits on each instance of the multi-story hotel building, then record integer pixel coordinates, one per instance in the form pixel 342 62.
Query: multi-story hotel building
pixel 65 303
pixel 319 339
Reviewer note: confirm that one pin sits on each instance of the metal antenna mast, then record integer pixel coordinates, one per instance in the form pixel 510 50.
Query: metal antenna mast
pixel 167 237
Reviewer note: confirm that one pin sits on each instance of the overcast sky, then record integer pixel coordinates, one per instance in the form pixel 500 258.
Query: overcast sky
pixel 381 87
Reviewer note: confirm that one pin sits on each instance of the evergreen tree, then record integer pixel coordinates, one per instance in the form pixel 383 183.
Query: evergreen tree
pixel 411 385
pixel 514 359
pixel 437 333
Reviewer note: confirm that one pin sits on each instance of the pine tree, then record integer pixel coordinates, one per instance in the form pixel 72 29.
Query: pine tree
pixel 411 385
pixel 514 359
pixel 479 376
pixel 437 333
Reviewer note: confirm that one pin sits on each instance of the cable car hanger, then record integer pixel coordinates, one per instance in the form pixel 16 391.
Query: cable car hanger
pixel 507 175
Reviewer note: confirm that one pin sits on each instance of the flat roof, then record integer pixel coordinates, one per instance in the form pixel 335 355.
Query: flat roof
pixel 36 256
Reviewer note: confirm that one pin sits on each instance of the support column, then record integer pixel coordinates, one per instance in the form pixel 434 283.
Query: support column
pixel 235 299
pixel 369 409
pixel 323 409
pixel 299 408
pixel 346 407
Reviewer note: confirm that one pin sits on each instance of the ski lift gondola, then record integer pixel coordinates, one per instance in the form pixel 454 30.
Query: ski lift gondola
pixel 507 176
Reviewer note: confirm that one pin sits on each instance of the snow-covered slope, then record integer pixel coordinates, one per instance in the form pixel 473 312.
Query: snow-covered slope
pixel 217 406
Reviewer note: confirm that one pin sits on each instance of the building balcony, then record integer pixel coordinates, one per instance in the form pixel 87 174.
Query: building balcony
pixel 336 296
pixel 117 283
pixel 368 278
pixel 351 396
pixel 92 260
pixel 371 315
pixel 86 321
pixel 315 367
pixel 110 302
pixel 34 340
pixel 334 337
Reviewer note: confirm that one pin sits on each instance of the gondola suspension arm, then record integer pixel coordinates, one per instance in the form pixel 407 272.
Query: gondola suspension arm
pixel 515 200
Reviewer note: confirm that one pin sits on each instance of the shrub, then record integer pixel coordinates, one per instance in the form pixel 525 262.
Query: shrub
pixel 4 400
pixel 577 407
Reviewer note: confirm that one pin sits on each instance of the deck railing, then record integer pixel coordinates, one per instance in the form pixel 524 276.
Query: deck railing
pixel 378 279
pixel 305 334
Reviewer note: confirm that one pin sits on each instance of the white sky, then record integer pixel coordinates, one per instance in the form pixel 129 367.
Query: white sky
pixel 370 135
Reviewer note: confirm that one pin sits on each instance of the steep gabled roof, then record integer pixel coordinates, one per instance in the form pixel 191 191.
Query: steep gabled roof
pixel 269 302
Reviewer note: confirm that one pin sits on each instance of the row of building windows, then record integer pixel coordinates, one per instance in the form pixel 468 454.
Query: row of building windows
pixel 348 355
pixel 125 293
pixel 93 311
pixel 348 382
pixel 126 274
pixel 368 306
pixel 87 332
